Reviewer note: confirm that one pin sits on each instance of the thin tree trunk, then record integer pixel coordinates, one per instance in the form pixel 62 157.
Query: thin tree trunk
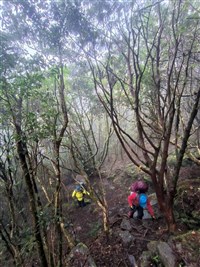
pixel 165 203
pixel 22 152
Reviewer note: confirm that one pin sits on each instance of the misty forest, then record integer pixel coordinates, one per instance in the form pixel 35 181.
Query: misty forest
pixel 96 95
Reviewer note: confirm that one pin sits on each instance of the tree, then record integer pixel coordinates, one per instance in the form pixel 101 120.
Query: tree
pixel 87 145
pixel 154 79
pixel 46 30
pixel 9 227
pixel 12 96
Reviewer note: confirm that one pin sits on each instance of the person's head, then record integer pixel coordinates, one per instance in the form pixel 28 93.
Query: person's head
pixel 78 188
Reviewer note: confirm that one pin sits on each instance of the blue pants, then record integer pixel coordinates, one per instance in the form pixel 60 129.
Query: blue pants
pixel 81 203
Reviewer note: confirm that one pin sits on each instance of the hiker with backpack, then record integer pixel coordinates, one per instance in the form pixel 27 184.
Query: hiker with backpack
pixel 138 200
pixel 79 194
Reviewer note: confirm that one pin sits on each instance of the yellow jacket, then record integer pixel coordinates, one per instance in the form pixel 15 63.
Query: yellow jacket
pixel 79 194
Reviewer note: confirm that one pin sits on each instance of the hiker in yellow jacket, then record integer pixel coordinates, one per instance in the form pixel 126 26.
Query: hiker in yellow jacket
pixel 79 194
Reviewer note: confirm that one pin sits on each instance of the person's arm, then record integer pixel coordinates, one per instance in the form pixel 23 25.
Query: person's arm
pixel 131 199
pixel 74 193
pixel 150 209
pixel 86 192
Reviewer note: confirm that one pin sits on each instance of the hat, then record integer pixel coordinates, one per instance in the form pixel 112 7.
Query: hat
pixel 78 188
pixel 143 200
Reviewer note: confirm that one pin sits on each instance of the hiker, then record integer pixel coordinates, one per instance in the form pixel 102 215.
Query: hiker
pixel 79 194
pixel 138 200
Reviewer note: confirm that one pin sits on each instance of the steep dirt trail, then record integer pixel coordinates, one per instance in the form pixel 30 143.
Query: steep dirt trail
pixel 86 225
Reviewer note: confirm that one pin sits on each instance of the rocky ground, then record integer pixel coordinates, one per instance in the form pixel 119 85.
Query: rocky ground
pixel 136 243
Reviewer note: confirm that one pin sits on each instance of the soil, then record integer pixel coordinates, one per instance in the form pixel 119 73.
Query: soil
pixel 86 223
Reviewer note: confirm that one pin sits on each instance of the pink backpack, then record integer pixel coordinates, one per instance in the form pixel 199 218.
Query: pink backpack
pixel 139 186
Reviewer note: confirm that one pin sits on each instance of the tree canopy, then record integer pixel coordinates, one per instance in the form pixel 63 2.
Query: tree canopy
pixel 79 80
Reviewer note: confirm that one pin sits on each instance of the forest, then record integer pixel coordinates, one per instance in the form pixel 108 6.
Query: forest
pixel 99 94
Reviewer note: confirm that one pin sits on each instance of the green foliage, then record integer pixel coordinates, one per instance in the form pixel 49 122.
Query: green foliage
pixel 44 41
pixel 27 243
pixel 155 260
pixel 172 160
pixel 8 59
pixel 187 204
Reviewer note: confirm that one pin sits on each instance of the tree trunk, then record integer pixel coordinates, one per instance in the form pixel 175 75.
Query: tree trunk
pixel 22 151
pixel 100 200
pixel 58 205
pixel 169 217
pixel 166 207
pixel 104 208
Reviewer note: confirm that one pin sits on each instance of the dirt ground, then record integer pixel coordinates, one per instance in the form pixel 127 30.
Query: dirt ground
pixel 86 223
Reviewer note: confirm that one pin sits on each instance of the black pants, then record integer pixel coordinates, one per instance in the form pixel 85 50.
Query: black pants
pixel 140 212
pixel 81 203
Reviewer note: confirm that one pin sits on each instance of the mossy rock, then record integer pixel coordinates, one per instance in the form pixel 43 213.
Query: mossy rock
pixel 80 256
pixel 187 247
pixel 187 203
pixel 128 175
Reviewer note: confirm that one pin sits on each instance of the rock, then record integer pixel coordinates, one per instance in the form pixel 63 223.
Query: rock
pixel 187 247
pixel 144 259
pixel 153 199
pixel 80 178
pixel 166 254
pixel 125 225
pixel 122 210
pixel 146 215
pixel 78 228
pixel 126 237
pixel 132 261
pixel 111 187
pixel 152 246
pixel 80 255
pixel 179 247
